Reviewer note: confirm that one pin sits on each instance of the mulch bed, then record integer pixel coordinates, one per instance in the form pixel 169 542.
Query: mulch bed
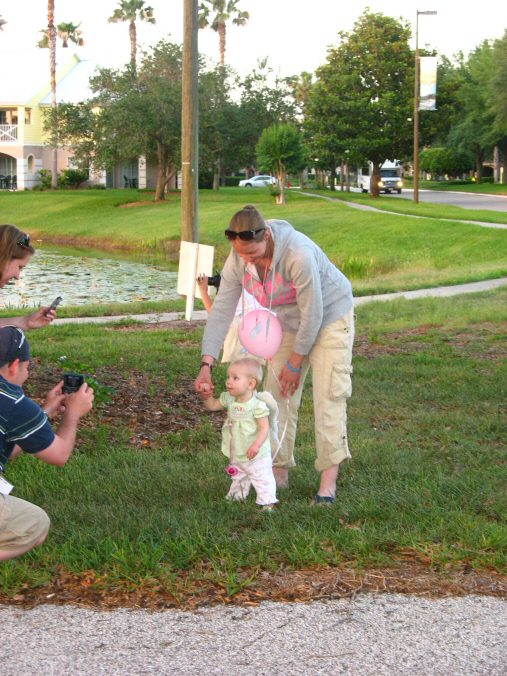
pixel 311 584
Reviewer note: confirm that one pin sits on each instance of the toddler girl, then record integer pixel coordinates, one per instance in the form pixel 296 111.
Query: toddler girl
pixel 245 433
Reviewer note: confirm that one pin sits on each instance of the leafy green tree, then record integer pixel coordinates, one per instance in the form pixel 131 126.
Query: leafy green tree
pixel 435 125
pixel 445 161
pixel 218 117
pixel 223 12
pixel 362 101
pixel 279 151
pixel 498 100
pixel 2 23
pixel 474 130
pixel 130 11
pixel 264 100
pixel 131 116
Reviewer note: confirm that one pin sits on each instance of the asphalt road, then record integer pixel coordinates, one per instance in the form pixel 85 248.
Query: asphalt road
pixel 457 199
pixel 377 635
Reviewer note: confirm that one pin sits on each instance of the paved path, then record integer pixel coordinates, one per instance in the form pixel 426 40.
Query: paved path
pixel 370 635
pixel 367 207
pixel 438 292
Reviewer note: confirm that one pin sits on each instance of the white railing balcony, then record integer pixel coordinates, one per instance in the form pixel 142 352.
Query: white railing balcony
pixel 8 132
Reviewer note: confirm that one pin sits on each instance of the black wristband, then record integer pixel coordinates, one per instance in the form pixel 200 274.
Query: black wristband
pixel 205 363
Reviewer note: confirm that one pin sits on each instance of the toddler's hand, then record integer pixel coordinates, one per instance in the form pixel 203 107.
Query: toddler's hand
pixel 252 452
pixel 204 390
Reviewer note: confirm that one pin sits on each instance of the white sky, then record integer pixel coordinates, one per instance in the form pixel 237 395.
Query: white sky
pixel 293 34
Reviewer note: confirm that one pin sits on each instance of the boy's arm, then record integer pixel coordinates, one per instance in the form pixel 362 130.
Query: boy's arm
pixel 262 435
pixel 76 406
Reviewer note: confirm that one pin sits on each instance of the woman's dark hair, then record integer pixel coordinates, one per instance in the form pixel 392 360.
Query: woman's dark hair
pixel 14 243
pixel 248 218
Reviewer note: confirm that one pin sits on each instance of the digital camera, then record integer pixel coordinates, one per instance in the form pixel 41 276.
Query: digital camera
pixel 214 280
pixel 72 382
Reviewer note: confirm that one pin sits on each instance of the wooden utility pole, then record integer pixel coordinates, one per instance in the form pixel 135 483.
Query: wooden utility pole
pixel 189 125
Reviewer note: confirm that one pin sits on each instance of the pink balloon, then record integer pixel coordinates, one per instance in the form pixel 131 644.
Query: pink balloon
pixel 260 332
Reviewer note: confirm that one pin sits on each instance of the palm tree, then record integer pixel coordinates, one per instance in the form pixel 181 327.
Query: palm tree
pixel 131 10
pixel 51 35
pixel 225 10
pixel 66 32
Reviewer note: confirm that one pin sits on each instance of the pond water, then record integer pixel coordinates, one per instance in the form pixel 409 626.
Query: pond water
pixel 81 280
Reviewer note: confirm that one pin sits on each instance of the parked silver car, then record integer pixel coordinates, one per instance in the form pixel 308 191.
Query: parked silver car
pixel 257 181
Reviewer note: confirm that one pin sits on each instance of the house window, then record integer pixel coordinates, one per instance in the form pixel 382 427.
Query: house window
pixel 28 116
pixel 30 161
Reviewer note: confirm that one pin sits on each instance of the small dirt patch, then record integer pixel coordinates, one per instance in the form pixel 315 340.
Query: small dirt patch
pixel 134 401
pixel 142 203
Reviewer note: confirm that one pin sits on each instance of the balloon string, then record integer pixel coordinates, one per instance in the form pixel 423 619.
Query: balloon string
pixel 280 441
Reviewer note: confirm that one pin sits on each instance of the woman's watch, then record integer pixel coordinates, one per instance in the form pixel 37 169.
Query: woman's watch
pixel 205 363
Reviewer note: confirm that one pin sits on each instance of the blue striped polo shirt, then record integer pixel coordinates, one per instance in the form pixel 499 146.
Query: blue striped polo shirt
pixel 22 422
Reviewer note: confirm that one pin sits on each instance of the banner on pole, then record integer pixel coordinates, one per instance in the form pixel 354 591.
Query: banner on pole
pixel 428 78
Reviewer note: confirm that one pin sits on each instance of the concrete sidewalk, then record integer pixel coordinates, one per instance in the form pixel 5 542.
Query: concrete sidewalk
pixel 438 292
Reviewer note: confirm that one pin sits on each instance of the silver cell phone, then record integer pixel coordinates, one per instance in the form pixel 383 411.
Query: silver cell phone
pixel 54 304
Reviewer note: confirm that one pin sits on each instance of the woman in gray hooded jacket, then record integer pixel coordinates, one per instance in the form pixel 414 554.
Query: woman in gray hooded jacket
pixel 291 275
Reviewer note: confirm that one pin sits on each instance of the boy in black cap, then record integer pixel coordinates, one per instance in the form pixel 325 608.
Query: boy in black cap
pixel 24 427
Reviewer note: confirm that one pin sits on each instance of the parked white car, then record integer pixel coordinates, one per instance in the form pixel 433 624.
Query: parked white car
pixel 257 182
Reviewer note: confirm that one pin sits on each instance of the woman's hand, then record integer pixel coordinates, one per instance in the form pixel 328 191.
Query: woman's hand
pixel 289 382
pixel 42 317
pixel 203 384
pixel 54 401
pixel 290 375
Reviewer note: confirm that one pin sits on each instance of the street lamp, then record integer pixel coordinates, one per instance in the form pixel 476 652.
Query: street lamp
pixel 416 106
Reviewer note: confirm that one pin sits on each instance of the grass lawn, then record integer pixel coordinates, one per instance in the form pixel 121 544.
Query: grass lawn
pixel 139 510
pixel 379 252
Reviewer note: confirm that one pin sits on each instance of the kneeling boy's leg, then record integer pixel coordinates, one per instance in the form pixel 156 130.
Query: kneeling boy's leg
pixel 23 526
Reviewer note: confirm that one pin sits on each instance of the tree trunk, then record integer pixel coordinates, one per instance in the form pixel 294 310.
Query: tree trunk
pixel 216 175
pixel 52 71
pixel 221 38
pixel 496 165
pixel 280 198
pixel 347 176
pixel 479 156
pixel 342 171
pixel 133 44
pixel 375 178
pixel 161 173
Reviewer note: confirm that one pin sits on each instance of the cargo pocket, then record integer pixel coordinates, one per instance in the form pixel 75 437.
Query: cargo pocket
pixel 341 382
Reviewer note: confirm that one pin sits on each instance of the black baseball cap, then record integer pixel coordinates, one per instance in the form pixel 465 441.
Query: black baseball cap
pixel 13 345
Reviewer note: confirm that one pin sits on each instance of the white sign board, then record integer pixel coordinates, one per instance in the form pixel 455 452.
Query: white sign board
pixel 195 259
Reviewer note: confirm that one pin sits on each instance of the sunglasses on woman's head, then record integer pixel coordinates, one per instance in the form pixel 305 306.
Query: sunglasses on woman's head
pixel 24 240
pixel 245 235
